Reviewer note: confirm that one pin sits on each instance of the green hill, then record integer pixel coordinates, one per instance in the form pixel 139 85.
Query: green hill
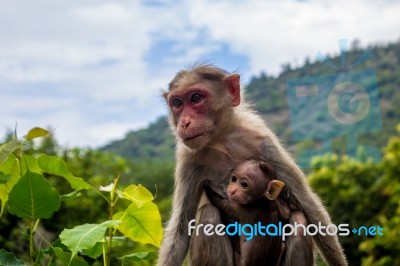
pixel 155 141
pixel 269 96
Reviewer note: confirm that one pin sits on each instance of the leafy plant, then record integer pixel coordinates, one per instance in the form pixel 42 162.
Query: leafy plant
pixel 364 194
pixel 28 194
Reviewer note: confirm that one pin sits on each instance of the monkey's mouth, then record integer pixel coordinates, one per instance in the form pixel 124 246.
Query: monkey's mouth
pixel 193 137
pixel 234 199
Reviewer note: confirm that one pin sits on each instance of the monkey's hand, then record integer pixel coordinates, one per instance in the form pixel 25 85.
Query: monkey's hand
pixel 230 209
pixel 218 200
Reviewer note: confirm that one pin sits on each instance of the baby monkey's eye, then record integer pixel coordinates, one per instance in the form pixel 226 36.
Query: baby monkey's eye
pixel 233 179
pixel 244 184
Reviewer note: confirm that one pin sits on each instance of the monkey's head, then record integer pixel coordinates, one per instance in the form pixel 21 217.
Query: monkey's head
pixel 201 102
pixel 252 180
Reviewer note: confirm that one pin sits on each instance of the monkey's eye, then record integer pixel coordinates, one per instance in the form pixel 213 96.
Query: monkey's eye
pixel 176 102
pixel 196 97
pixel 244 184
pixel 233 179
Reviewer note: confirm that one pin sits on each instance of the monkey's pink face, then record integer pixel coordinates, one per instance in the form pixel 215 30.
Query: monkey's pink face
pixel 191 115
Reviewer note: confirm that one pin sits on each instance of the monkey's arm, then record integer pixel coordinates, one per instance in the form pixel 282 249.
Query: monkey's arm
pixel 303 198
pixel 186 198
pixel 283 209
pixel 231 208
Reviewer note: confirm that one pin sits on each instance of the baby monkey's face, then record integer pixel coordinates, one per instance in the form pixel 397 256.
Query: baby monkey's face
pixel 247 183
pixel 252 180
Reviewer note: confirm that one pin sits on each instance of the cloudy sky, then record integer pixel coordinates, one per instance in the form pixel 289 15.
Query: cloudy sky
pixel 94 70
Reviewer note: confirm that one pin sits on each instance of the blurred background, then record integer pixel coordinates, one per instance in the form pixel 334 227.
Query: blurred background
pixel 92 72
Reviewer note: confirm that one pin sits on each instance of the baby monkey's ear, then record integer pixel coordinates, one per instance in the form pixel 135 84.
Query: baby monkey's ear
pixel 273 189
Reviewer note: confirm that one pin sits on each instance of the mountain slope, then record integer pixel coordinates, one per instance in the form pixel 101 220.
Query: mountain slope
pixel 269 96
pixel 155 141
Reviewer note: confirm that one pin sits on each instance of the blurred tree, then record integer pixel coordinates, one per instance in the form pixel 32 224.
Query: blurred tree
pixel 363 194
pixel 385 250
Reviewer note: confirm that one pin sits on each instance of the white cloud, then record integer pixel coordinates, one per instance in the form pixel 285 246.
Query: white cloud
pixel 83 66
pixel 275 32
pixel 105 13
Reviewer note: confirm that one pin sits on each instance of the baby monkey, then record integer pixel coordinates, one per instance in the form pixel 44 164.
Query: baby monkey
pixel 252 197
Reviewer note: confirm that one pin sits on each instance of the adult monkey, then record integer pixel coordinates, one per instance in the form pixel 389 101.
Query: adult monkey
pixel 216 132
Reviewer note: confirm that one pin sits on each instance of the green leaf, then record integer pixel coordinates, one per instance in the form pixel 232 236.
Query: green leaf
pixel 8 259
pixel 36 132
pixel 66 258
pixel 142 224
pixel 4 178
pixel 30 162
pixel 84 236
pixel 137 194
pixel 140 256
pixel 10 168
pixel 55 166
pixel 95 251
pixel 7 148
pixel 33 197
pixel 71 196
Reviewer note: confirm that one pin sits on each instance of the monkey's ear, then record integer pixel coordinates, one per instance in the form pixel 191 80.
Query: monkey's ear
pixel 165 95
pixel 233 83
pixel 273 189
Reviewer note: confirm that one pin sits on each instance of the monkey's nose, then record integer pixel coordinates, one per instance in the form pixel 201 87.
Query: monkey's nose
pixel 186 124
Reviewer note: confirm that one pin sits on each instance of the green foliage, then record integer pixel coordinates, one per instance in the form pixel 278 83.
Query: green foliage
pixel 36 132
pixel 10 173
pixel 384 250
pixel 157 174
pixel 56 166
pixel 85 236
pixel 67 259
pixel 364 193
pixel 137 194
pixel 30 187
pixel 137 257
pixel 33 197
pixel 8 259
pixel 7 148
pixel 141 223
